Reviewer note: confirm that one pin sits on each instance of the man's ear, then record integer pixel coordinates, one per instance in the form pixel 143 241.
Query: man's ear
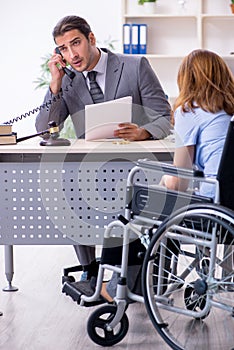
pixel 92 38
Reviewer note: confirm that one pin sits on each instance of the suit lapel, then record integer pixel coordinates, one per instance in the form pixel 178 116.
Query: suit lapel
pixel 82 89
pixel 113 74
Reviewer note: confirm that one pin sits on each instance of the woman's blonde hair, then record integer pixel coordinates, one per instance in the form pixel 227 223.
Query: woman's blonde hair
pixel 204 80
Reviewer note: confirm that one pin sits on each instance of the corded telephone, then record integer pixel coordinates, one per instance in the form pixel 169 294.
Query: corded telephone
pixel 53 140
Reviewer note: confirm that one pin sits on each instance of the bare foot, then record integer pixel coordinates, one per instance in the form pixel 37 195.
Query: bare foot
pixel 105 294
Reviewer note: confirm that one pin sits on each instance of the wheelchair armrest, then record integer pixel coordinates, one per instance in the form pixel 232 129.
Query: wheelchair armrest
pixel 169 169
pixel 157 202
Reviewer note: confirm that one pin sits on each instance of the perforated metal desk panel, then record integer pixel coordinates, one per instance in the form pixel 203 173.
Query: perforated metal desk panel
pixel 63 195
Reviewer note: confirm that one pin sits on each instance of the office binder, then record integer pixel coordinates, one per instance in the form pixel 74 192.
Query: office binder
pixel 127 38
pixel 142 47
pixel 135 38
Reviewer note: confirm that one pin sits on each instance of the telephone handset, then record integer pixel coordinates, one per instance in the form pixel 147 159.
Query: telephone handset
pixel 65 69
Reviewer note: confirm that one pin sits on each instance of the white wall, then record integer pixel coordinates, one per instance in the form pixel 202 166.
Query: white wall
pixel 26 28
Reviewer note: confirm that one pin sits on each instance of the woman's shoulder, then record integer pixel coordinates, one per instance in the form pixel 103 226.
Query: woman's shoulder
pixel 200 114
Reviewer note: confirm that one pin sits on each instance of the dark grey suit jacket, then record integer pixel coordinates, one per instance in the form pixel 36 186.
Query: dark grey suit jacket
pixel 126 75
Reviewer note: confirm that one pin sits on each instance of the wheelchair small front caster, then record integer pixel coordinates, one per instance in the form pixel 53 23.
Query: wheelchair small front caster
pixel 97 326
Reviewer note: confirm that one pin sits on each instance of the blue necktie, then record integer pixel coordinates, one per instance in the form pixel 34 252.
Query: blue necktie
pixel 95 90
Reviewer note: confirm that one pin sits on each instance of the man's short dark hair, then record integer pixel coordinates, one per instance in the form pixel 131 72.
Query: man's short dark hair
pixel 69 23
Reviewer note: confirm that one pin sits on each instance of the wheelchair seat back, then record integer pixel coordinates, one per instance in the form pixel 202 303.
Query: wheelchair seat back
pixel 225 174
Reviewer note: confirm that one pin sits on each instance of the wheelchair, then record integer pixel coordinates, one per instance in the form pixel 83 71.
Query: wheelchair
pixel 186 255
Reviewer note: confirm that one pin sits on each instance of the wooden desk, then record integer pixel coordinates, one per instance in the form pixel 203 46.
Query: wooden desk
pixel 64 195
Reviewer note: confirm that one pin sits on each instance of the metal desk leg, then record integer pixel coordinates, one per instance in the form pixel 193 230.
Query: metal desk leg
pixel 9 268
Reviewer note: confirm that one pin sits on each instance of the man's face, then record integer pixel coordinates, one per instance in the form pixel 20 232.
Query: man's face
pixel 76 50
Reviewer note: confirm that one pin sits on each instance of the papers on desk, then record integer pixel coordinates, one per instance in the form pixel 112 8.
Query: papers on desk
pixel 102 119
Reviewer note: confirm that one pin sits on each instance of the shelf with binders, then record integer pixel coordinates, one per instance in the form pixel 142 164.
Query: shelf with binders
pixel 167 39
pixel 166 45
pixel 174 30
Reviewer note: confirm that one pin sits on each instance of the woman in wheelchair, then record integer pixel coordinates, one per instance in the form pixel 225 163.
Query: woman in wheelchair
pixel 183 275
pixel 203 111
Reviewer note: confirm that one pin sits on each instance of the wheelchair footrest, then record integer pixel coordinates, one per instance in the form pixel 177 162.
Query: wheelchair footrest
pixel 76 289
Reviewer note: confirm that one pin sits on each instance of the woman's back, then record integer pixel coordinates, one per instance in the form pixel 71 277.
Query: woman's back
pixel 207 133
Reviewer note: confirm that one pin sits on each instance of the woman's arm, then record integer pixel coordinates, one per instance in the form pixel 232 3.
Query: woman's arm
pixel 183 158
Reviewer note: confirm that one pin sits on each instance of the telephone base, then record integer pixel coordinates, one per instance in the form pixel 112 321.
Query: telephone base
pixel 55 142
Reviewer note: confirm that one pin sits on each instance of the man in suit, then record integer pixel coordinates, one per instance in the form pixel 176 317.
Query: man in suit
pixel 118 76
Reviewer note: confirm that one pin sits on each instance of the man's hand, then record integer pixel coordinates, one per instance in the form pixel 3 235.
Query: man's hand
pixel 131 132
pixel 56 65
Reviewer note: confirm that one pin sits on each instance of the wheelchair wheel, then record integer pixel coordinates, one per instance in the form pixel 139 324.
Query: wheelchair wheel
pixel 98 326
pixel 186 303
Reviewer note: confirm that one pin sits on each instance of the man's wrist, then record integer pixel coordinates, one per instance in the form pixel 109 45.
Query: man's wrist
pixel 144 134
pixel 56 93
pixel 55 87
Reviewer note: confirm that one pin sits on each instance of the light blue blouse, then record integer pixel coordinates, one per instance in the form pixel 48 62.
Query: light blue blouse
pixel 206 131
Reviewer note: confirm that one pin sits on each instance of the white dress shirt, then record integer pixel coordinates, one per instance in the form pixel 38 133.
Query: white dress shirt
pixel 100 68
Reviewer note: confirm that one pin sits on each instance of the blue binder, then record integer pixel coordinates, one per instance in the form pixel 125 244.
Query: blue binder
pixel 142 39
pixel 127 38
pixel 135 38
